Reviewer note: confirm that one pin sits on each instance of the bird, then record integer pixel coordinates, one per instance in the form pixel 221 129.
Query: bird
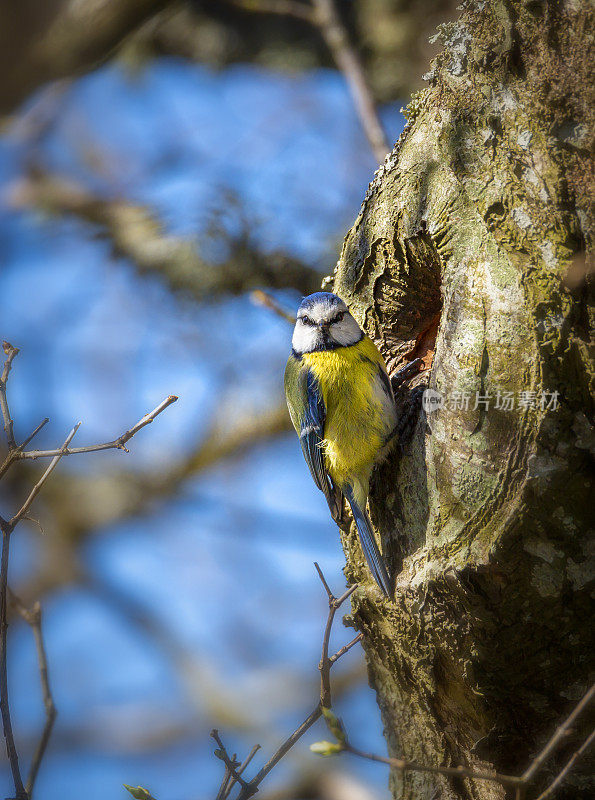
pixel 342 407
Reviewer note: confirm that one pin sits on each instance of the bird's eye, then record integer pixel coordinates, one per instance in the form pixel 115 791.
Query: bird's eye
pixel 306 320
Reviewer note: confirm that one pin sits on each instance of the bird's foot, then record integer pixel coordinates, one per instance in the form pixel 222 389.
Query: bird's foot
pixel 409 415
pixel 410 369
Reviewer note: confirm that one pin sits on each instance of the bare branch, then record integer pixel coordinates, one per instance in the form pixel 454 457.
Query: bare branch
pixel 265 299
pixel 116 444
pixel 32 435
pixel 570 764
pixel 561 732
pixel 325 662
pixel 32 617
pixel 11 750
pixel 345 648
pixel 251 789
pixel 520 783
pixel 37 488
pixel 456 772
pixel 230 763
pixel 241 768
pixel 11 353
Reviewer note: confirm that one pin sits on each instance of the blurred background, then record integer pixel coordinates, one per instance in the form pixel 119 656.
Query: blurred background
pixel 217 151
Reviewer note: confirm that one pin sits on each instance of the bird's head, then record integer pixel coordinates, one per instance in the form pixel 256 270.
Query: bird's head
pixel 324 323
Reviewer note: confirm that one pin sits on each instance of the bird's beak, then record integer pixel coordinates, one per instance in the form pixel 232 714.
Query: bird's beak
pixel 324 329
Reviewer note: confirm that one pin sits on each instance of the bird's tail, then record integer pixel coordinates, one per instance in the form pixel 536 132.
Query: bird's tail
pixel 368 542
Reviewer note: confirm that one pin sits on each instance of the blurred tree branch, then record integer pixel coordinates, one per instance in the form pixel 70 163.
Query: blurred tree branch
pixel 53 39
pixel 136 234
pixel 42 40
pixel 32 617
pixel 323 14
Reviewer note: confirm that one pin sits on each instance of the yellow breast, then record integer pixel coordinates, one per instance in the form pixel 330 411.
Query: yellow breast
pixel 358 417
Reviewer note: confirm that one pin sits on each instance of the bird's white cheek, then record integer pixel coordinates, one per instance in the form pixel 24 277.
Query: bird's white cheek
pixel 346 332
pixel 305 338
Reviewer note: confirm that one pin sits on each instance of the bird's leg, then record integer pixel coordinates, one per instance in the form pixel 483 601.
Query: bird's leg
pixel 409 415
pixel 408 403
pixel 406 372
pixel 338 509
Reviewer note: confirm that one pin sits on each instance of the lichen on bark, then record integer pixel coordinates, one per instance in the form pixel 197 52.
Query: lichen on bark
pixel 483 211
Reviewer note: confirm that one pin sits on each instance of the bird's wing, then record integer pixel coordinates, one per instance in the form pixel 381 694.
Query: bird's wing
pixel 308 414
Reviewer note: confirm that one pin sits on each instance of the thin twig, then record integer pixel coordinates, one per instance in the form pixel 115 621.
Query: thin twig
pixel 11 750
pixel 325 662
pixel 37 488
pixel 32 617
pixel 268 301
pixel 11 353
pixel 251 789
pixel 34 433
pixel 221 794
pixel 457 772
pixel 13 454
pixel 240 770
pixel 562 731
pixel 570 764
pixel 345 648
pixel 323 579
pixel 116 444
pixel 230 763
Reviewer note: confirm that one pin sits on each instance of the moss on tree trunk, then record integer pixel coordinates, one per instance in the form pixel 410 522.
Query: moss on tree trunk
pixel 483 210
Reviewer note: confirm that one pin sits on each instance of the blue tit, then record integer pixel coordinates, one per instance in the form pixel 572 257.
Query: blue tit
pixel 342 407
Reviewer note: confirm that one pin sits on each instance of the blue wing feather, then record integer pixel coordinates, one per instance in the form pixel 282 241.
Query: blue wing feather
pixel 311 439
pixel 312 431
pixel 308 414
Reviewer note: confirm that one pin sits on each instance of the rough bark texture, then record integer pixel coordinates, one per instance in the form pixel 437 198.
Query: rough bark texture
pixel 484 208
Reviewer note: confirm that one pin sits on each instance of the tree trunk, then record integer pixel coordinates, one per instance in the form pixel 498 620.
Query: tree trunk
pixel 482 215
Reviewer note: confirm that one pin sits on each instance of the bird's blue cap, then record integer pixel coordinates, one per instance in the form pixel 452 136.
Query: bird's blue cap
pixel 321 297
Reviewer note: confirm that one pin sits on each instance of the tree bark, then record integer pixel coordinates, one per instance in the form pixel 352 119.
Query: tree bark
pixel 483 214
